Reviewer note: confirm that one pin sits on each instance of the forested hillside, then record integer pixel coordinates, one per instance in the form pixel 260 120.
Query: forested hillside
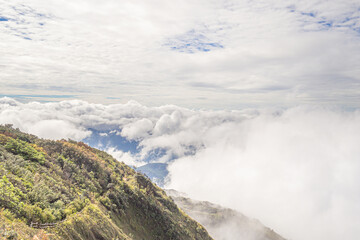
pixel 86 192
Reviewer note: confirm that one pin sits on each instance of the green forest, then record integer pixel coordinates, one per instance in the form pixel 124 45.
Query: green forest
pixel 85 192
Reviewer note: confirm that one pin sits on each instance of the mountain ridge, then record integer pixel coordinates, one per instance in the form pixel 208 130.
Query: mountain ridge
pixel 223 223
pixel 86 191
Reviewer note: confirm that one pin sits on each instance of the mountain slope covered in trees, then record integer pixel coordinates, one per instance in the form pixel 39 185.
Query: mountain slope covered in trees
pixel 86 192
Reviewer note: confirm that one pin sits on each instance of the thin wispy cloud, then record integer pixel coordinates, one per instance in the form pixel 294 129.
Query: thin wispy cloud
pixel 127 49
pixel 191 42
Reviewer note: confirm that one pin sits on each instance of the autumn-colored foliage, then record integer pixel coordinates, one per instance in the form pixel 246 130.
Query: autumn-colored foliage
pixel 86 191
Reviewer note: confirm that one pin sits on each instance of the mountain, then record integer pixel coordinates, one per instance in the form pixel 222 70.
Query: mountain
pixel 223 223
pixel 83 193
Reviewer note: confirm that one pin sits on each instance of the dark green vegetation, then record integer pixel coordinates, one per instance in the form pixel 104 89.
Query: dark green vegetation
pixel 86 191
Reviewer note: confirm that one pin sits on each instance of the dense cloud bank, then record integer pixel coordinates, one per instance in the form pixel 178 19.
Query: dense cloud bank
pixel 169 130
pixel 297 170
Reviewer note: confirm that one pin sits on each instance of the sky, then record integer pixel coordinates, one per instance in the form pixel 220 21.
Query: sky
pixel 195 54
pixel 257 102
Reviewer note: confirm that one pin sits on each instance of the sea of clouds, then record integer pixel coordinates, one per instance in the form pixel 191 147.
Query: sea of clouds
pixel 297 170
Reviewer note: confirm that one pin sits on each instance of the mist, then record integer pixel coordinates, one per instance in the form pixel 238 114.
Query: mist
pixel 297 171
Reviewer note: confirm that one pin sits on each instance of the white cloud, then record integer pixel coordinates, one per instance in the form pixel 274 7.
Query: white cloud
pixel 56 129
pixel 297 172
pixel 137 130
pixel 125 157
pixel 167 123
pixel 178 131
pixel 274 52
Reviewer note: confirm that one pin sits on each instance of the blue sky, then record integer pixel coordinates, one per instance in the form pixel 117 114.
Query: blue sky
pixel 203 54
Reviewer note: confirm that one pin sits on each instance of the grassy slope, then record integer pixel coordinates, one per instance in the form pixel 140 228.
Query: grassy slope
pixel 95 196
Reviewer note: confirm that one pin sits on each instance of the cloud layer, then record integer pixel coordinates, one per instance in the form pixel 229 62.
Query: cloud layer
pixel 297 170
pixel 212 54
pixel 160 133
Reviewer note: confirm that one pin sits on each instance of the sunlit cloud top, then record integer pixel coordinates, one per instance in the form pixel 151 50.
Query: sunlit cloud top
pixel 198 54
